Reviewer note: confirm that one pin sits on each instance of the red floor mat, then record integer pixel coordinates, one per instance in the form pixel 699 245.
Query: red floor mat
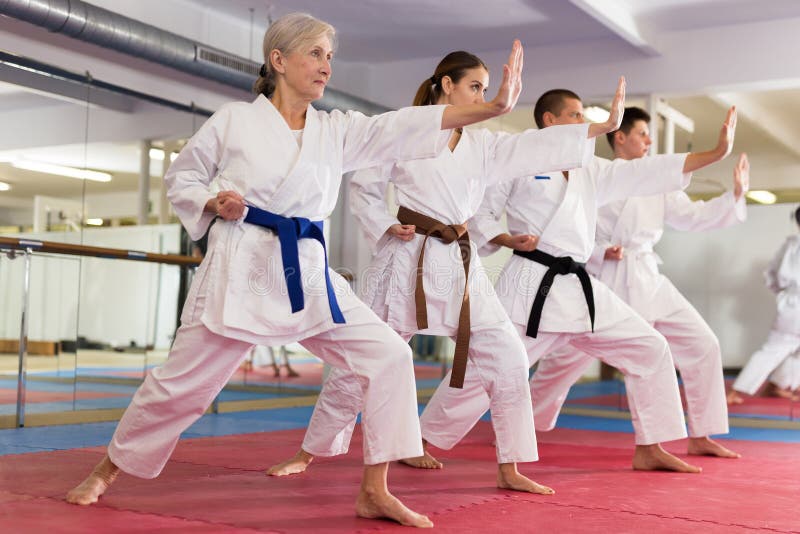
pixel 218 483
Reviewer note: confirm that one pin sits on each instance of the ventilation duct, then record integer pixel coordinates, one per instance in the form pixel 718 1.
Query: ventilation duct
pixel 107 29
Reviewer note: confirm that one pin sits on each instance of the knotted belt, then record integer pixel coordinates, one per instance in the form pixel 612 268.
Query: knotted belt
pixel 446 233
pixel 563 265
pixel 290 230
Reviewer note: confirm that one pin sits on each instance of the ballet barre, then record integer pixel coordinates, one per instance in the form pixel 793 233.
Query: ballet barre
pixel 27 247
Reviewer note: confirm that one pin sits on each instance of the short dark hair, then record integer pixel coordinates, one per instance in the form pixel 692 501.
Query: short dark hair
pixel 797 216
pixel 629 117
pixel 552 101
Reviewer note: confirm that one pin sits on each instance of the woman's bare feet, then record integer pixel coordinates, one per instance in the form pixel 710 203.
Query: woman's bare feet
pixel 705 446
pixel 654 458
pixel 374 500
pixel 90 490
pixel 733 397
pixel 509 478
pixel 296 464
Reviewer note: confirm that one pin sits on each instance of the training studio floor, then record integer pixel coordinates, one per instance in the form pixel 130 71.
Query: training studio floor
pixel 215 482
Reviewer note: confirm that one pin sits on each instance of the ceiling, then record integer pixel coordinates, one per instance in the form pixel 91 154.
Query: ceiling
pixel 700 56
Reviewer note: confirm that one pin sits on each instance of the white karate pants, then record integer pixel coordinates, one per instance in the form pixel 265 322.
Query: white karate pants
pixel 176 394
pixel 779 347
pixel 633 347
pixel 695 351
pixel 496 372
pixel 787 375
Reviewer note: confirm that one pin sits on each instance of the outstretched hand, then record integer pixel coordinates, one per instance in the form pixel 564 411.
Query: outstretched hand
pixel 615 117
pixel 726 134
pixel 741 176
pixel 511 86
pixel 698 160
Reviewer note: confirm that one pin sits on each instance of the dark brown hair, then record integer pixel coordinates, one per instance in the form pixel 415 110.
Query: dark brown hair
pixel 455 66
pixel 629 117
pixel 552 101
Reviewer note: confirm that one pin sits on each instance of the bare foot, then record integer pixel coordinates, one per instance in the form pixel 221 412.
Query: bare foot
pixel 734 398
pixel 705 446
pixel 775 391
pixel 90 490
pixel 509 478
pixel 276 371
pixel 374 505
pixel 426 461
pixel 291 372
pixel 296 464
pixel 654 458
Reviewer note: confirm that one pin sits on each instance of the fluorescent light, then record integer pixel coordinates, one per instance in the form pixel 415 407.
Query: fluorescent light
pixel 762 197
pixel 596 114
pixel 158 154
pixel 94 222
pixel 60 170
pixel 4 186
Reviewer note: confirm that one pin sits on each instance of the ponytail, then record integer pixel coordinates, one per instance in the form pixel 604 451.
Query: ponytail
pixel 265 83
pixel 454 65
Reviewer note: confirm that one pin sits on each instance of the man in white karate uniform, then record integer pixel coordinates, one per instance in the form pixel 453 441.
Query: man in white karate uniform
pixel 624 260
pixel 778 355
pixel 552 300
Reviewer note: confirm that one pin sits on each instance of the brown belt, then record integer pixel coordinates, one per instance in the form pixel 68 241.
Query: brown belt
pixel 446 233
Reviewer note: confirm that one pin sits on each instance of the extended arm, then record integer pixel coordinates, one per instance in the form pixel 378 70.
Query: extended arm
pixel 698 160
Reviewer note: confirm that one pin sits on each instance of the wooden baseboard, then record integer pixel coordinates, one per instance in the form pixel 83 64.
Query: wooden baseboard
pixel 35 348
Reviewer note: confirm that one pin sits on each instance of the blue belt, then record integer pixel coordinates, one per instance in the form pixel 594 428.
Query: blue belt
pixel 290 230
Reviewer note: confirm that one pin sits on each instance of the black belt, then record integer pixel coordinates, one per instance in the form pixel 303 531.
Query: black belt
pixel 563 265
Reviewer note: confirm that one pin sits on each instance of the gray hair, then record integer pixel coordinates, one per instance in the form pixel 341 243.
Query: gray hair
pixel 288 34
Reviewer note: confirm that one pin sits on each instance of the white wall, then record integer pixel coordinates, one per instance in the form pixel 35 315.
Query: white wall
pixel 720 272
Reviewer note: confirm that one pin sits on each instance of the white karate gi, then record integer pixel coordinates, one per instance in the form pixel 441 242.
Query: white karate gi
pixel 563 214
pixel 782 277
pixel 787 375
pixel 239 296
pixel 448 188
pixel 637 224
